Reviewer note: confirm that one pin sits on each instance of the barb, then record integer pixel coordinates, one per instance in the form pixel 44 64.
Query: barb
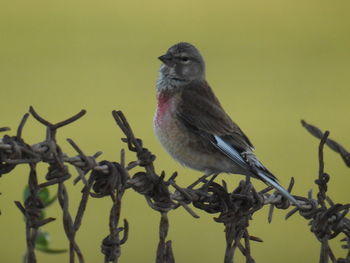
pixel 323 178
pixel 21 125
pixel 58 124
pixel 3 129
pixel 331 143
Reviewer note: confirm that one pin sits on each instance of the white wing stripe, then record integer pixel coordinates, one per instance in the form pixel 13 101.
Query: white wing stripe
pixel 229 150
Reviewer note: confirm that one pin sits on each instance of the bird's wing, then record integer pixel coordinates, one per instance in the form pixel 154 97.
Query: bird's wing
pixel 201 111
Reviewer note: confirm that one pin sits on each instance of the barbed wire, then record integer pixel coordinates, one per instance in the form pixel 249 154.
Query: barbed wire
pixel 111 179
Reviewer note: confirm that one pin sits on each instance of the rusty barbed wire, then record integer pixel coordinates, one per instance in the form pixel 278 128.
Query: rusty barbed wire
pixel 327 220
pixel 32 212
pixel 112 184
pixel 58 173
pixel 149 184
pixel 111 179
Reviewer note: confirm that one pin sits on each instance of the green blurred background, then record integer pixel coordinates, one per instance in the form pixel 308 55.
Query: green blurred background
pixel 270 62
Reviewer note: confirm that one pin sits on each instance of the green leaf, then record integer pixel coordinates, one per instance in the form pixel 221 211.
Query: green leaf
pixel 52 251
pixel 44 195
pixel 43 242
pixel 42 215
pixel 50 201
pixel 26 193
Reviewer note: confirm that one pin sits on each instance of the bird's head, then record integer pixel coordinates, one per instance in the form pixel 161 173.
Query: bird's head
pixel 182 63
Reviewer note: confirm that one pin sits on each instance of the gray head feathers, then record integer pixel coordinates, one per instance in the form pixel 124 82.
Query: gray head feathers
pixel 182 64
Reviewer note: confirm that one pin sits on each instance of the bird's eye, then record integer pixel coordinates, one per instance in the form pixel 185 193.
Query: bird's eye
pixel 185 59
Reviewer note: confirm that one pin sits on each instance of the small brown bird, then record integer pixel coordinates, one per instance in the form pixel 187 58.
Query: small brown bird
pixel 194 128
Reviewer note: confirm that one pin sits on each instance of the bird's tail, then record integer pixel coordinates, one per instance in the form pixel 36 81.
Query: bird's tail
pixel 268 179
pixel 266 176
pixel 246 161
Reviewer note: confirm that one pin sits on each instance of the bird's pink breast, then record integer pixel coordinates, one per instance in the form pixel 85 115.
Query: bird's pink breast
pixel 163 108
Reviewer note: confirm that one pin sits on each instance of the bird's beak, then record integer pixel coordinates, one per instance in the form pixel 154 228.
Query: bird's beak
pixel 166 59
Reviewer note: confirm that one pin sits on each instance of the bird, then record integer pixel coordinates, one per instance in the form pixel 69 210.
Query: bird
pixel 192 125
